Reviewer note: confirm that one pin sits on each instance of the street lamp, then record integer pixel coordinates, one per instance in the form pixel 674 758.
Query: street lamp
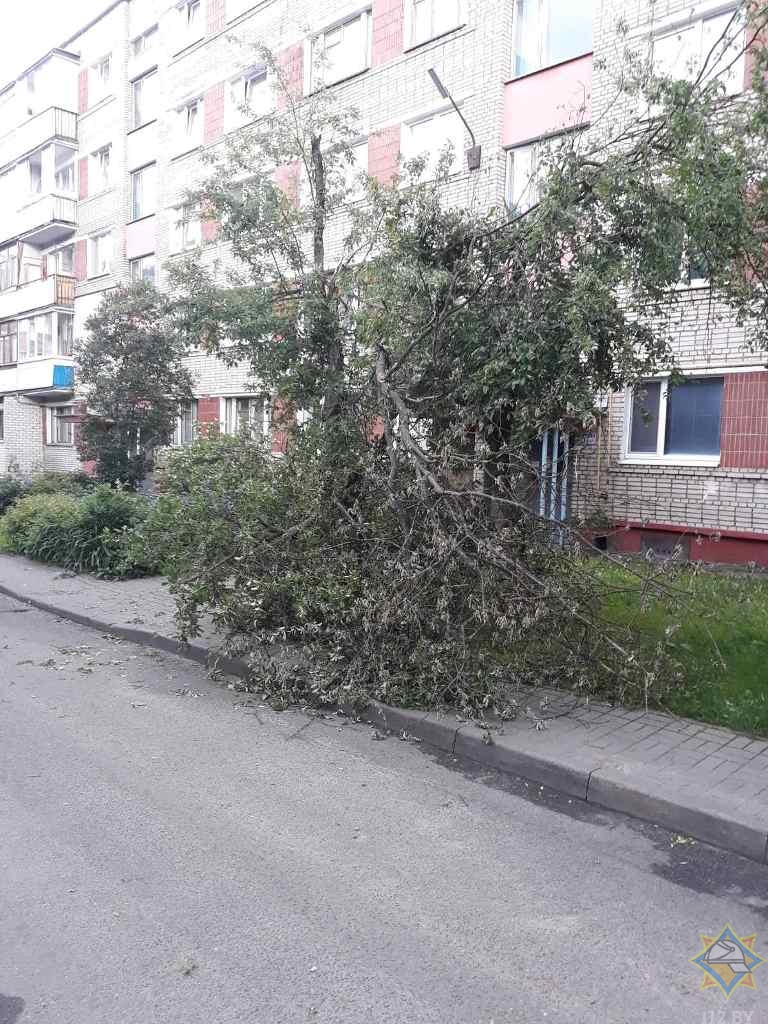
pixel 475 153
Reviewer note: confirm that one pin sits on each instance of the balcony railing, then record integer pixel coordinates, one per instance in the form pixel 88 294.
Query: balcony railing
pixel 57 290
pixel 44 221
pixel 53 123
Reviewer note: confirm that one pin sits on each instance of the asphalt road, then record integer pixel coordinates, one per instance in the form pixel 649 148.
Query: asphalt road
pixel 171 851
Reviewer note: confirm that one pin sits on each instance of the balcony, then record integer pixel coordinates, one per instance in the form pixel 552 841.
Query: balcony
pixel 44 221
pixel 57 290
pixel 53 123
pixel 52 376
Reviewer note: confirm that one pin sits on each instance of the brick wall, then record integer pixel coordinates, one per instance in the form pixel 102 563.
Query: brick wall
pixel 388 19
pixel 215 16
pixel 291 62
pixel 384 154
pixel 213 113
pixel 744 422
pixel 81 259
pixel 208 411
pixel 82 91
pixel 82 177
pixel 287 178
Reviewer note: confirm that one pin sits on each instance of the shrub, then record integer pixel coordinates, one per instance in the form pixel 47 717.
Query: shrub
pixel 10 489
pixel 76 484
pixel 92 533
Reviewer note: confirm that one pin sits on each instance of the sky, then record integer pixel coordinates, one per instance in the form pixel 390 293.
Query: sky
pixel 36 27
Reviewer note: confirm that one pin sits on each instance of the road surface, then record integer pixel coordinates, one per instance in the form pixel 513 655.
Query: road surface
pixel 172 851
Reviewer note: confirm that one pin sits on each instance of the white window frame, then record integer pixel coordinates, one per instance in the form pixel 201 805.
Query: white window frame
pixel 141 177
pixel 42 350
pixel 410 21
pixel 187 140
pixel 137 264
pixel 317 75
pixel 179 440
pixel 54 260
pixel 191 25
pixel 141 82
pixel 239 97
pixel 186 228
pixel 100 74
pixel 145 42
pixel 411 151
pixel 659 457
pixel 542 28
pixel 227 416
pixel 696 24
pixel 69 167
pixel 101 158
pixel 531 192
pixel 97 265
pixel 68 348
pixel 52 419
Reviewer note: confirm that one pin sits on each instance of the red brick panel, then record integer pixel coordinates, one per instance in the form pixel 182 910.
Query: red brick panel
pixel 82 91
pixel 744 421
pixel 210 230
pixel 208 410
pixel 287 178
pixel 291 63
pixel 81 260
pixel 82 177
pixel 388 19
pixel 213 113
pixel 283 418
pixel 383 154
pixel 215 16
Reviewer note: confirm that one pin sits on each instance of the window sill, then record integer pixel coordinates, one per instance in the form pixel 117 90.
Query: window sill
pixel 97 195
pixel 702 461
pixel 548 67
pixel 424 42
pixel 59 444
pixel 98 277
pixel 188 46
pixel 144 124
pixel 187 152
pixel 144 216
pixel 314 89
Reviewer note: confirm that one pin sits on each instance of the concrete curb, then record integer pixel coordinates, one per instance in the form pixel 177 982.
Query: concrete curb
pixel 661 800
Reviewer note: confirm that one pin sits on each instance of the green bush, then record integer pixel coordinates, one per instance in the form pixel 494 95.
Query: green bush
pixel 77 484
pixel 11 488
pixel 93 533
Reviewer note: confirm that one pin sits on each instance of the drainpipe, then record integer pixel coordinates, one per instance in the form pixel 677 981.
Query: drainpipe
pixel 542 473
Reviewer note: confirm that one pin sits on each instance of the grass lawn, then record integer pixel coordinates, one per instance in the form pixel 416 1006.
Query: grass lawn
pixel 719 637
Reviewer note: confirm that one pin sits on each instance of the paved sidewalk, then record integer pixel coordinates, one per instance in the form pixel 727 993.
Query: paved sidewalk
pixel 697 779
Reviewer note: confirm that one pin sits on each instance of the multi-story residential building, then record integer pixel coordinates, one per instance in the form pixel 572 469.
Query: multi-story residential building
pixel 100 140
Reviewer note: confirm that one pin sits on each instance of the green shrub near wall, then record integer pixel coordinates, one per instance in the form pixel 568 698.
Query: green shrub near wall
pixel 87 533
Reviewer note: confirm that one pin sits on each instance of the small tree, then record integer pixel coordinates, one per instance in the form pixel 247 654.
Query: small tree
pixel 429 347
pixel 130 365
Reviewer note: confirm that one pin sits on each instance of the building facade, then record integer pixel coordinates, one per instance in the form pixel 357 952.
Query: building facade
pixel 100 140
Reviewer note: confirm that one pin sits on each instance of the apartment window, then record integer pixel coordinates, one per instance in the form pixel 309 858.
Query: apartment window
pixel 428 138
pixel 190 125
pixel 35 337
pixel 9 267
pixel 186 423
pixel 8 333
pixel 250 94
pixel 185 228
pixel 144 99
pixel 64 176
pixel 100 254
pixel 244 415
pixel 342 50
pixel 683 52
pixel 99 79
pixel 190 16
pixel 356 171
pixel 101 169
pixel 61 424
pixel 144 269
pixel 427 19
pixel 524 177
pixel 680 421
pixel 547 32
pixel 144 191
pixel 144 43
pixel 35 172
pixel 65 334
pixel 63 260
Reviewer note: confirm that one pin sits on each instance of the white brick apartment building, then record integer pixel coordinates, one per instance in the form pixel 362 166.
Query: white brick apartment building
pixel 100 139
